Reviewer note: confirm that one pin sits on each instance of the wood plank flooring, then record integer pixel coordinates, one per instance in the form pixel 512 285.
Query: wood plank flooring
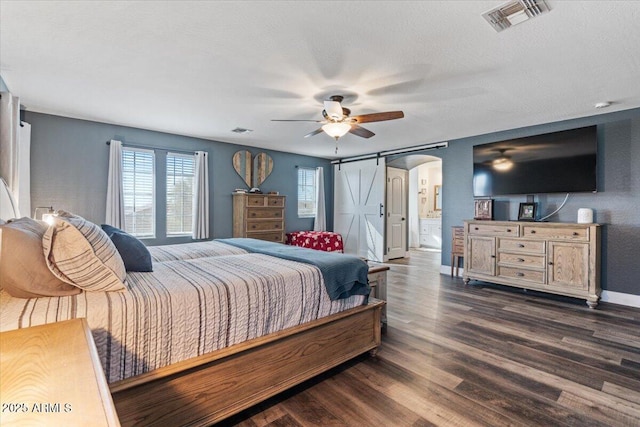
pixel 478 355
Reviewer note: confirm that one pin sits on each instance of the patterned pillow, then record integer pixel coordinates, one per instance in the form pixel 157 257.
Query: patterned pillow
pixel 78 252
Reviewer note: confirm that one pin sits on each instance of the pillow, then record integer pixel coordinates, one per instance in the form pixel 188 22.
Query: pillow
pixel 134 253
pixel 80 253
pixel 23 270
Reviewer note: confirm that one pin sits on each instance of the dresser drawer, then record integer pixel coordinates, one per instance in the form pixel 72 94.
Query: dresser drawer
pixel 494 229
pixel 271 237
pixel 264 225
pixel 521 260
pixel 275 201
pixel 522 274
pixel 264 213
pixel 521 245
pixel 256 200
pixel 561 233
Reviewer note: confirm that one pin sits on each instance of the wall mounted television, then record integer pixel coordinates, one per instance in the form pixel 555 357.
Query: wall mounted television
pixel 558 162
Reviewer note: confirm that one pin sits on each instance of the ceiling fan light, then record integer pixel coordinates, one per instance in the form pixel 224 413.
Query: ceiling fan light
pixel 335 129
pixel 502 163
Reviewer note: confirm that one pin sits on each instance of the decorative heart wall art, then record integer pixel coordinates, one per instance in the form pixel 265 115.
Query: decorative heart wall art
pixel 252 171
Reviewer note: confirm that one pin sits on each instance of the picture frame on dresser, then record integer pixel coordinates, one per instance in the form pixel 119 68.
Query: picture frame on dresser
pixel 527 212
pixel 483 209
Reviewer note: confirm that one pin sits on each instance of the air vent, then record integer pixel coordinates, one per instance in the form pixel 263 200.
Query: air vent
pixel 241 130
pixel 514 12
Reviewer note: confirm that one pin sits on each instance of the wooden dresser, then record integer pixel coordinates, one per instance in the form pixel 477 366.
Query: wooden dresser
pixel 560 258
pixel 51 375
pixel 259 216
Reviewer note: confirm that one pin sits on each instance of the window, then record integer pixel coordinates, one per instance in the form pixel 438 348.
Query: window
pixel 306 192
pixel 138 179
pixel 180 183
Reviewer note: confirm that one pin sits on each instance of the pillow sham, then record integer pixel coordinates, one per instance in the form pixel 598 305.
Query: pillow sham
pixel 23 270
pixel 78 252
pixel 134 253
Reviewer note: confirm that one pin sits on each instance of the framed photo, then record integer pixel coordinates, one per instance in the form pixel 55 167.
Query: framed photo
pixel 527 212
pixel 483 209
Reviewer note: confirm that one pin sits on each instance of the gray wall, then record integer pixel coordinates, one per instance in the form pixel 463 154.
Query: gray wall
pixel 69 163
pixel 616 205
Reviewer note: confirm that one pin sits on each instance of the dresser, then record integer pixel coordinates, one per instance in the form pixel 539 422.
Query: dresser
pixel 51 375
pixel 560 258
pixel 259 216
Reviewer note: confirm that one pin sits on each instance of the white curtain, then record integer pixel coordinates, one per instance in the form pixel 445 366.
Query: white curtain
pixel 115 194
pixel 320 222
pixel 201 197
pixel 15 146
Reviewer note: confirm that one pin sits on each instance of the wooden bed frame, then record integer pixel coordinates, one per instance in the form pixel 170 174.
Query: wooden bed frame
pixel 209 388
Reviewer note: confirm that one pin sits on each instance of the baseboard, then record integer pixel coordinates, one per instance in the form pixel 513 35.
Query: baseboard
pixel 620 298
pixel 607 296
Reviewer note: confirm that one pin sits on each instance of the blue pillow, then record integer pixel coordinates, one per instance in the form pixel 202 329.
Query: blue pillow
pixel 134 253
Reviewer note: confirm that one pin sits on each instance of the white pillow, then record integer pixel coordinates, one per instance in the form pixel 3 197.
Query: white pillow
pixel 78 252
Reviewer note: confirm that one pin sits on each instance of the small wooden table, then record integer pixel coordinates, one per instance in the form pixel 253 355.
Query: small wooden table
pixel 457 248
pixel 51 375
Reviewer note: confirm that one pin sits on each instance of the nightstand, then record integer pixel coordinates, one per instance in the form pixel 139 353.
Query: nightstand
pixel 51 375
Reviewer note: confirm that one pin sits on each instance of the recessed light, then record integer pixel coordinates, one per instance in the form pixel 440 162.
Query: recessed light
pixel 602 104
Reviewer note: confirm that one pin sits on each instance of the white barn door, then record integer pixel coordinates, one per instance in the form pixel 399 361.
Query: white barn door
pixel 359 207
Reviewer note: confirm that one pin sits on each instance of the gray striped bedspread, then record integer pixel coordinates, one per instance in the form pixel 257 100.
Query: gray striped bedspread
pixel 186 307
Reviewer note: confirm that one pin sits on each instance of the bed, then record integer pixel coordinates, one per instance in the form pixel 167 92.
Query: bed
pixel 214 329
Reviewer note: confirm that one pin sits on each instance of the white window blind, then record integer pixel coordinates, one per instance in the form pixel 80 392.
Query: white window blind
pixel 306 192
pixel 180 183
pixel 138 179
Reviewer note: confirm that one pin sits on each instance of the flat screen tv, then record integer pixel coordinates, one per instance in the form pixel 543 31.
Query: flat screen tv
pixel 558 162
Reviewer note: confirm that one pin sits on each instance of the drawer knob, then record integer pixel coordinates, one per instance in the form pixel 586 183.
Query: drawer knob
pixel 550 263
pixel 476 228
pixel 508 230
pixel 520 260
pixel 520 245
pixel 533 231
pixel 253 226
pixel 575 233
pixel 493 256
pixel 519 274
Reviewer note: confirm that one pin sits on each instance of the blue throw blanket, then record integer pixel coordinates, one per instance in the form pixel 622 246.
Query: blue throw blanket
pixel 344 275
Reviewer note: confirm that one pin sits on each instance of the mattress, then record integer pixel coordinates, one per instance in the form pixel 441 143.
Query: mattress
pixel 188 306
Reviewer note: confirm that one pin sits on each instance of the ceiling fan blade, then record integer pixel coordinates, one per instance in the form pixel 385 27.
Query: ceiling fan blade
pixel 285 120
pixel 360 131
pixel 378 117
pixel 315 132
pixel 333 109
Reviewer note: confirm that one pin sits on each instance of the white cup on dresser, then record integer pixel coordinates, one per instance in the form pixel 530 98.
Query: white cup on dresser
pixel 585 216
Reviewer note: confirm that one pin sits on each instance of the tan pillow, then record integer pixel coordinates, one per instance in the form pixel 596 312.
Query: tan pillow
pixel 80 253
pixel 23 270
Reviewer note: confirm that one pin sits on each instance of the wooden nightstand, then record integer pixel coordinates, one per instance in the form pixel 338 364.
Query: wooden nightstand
pixel 51 375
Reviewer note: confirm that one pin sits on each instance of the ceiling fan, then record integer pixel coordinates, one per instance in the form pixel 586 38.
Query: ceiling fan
pixel 338 121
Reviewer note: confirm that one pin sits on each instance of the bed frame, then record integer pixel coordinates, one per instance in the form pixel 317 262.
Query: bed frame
pixel 214 386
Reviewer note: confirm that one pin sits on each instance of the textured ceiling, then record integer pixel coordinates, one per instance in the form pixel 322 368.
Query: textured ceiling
pixel 204 68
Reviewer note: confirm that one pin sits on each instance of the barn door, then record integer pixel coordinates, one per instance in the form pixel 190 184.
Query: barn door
pixel 359 208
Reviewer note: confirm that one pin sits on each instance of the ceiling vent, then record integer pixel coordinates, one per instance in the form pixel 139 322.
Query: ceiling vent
pixel 241 130
pixel 514 12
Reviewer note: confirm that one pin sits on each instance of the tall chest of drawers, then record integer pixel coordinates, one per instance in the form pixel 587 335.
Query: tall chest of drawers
pixel 560 258
pixel 259 216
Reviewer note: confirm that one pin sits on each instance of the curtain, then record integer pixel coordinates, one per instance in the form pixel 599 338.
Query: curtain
pixel 201 197
pixel 320 222
pixel 15 146
pixel 115 194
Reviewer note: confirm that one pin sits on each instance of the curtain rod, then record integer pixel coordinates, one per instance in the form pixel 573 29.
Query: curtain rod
pixel 147 147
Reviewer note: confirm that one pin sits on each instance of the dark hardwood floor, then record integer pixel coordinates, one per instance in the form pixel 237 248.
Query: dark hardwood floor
pixel 476 355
